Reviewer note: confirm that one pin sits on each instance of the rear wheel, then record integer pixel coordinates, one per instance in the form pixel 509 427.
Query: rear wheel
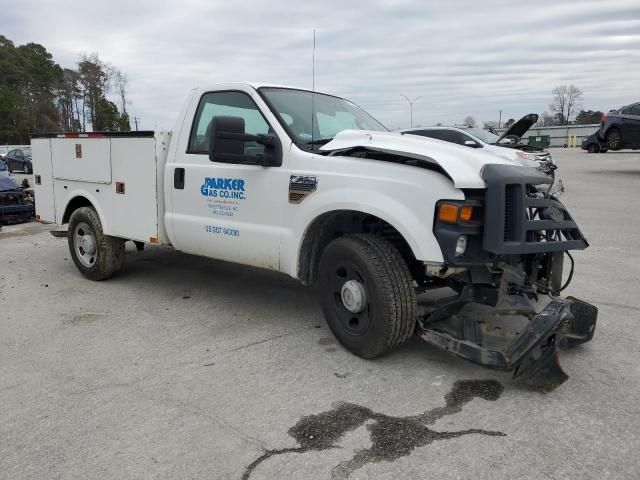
pixel 614 139
pixel 367 294
pixel 96 255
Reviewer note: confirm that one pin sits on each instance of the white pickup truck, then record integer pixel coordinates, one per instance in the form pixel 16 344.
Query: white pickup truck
pixel 310 185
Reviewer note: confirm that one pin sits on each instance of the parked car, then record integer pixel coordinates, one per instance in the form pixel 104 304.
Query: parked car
pixel 593 144
pixel 621 128
pixel 506 146
pixel 16 204
pixel 19 159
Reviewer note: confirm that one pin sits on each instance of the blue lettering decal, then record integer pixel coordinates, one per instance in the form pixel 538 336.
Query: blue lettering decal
pixel 223 188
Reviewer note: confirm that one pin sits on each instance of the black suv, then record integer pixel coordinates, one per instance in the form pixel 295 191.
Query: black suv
pixel 621 128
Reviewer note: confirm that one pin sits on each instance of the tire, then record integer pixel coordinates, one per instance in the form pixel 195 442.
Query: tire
pixel 28 169
pixel 614 139
pixel 388 315
pixel 592 148
pixel 96 255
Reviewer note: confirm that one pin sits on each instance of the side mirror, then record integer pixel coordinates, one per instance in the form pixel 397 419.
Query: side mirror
pixel 227 139
pixel 471 143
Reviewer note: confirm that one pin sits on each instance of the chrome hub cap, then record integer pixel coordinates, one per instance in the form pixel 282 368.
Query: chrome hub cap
pixel 84 242
pixel 354 297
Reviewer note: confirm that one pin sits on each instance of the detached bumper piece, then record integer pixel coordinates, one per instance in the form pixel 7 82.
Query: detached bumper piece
pixel 482 335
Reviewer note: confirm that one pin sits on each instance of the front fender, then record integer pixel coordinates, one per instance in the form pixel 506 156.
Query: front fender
pixel 416 230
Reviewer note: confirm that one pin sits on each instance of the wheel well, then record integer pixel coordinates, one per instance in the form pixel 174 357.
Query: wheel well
pixel 73 205
pixel 332 225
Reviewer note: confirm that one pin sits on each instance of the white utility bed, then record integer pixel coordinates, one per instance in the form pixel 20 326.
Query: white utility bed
pixel 122 174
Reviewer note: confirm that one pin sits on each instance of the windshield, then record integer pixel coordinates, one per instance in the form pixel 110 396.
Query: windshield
pixel 331 115
pixel 484 135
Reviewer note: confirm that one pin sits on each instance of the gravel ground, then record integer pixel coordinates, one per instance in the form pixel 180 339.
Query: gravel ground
pixel 183 367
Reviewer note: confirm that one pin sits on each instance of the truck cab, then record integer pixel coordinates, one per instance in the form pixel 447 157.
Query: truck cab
pixel 310 185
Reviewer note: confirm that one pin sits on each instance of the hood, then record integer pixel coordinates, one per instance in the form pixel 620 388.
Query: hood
pixel 462 164
pixel 7 183
pixel 521 127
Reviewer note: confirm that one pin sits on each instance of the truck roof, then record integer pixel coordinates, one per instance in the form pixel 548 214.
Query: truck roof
pixel 256 85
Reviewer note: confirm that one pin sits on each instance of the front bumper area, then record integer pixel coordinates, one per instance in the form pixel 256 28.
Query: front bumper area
pixel 488 335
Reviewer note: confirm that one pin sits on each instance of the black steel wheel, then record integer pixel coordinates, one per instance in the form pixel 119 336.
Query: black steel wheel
pixel 367 294
pixel 614 139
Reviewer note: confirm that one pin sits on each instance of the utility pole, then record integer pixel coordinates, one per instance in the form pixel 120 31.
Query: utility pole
pixel 411 102
pixel 135 120
pixel 500 119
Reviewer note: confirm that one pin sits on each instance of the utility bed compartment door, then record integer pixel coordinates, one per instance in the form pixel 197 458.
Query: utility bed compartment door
pixel 82 159
pixel 43 183
pixel 134 189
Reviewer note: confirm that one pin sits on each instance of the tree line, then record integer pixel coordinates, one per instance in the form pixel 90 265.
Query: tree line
pixel 38 95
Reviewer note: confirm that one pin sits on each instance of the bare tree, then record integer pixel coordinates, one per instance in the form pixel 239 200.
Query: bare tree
pixel 122 83
pixel 574 100
pixel 559 104
pixel 469 121
pixel 566 99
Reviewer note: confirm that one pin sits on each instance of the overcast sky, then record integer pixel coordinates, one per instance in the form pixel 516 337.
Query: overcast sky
pixel 462 57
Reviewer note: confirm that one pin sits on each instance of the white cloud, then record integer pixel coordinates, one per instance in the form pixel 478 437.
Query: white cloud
pixel 463 57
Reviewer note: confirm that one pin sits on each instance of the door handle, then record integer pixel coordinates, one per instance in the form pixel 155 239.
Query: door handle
pixel 178 178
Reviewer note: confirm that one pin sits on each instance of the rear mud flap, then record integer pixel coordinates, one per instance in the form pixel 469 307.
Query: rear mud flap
pixel 531 353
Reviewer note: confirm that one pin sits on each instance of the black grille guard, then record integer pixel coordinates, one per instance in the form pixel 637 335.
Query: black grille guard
pixel 516 222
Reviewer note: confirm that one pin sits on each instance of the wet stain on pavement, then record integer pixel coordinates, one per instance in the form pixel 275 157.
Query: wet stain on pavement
pixel 82 318
pixel 391 437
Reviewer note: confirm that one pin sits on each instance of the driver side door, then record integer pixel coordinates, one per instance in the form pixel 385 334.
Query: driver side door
pixel 229 211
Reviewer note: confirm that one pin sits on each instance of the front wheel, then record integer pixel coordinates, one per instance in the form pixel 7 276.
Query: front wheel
pixel 96 255
pixel 592 148
pixel 367 294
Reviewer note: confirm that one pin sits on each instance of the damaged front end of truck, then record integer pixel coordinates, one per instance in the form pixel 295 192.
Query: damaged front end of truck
pixel 504 250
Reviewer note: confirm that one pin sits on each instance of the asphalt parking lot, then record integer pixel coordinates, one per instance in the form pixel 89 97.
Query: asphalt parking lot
pixel 188 368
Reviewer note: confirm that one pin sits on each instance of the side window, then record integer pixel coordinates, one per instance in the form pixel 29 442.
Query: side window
pixel 227 104
pixel 635 110
pixel 454 137
pixel 437 134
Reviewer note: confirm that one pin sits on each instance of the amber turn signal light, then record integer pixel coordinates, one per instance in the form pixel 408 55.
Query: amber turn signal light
pixel 466 213
pixel 448 213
